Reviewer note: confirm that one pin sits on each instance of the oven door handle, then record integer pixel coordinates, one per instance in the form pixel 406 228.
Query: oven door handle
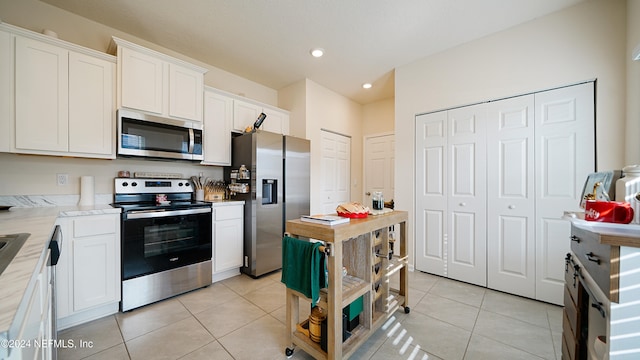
pixel 147 214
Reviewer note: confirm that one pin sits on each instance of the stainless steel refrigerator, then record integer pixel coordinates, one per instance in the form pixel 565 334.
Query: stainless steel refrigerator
pixel 278 191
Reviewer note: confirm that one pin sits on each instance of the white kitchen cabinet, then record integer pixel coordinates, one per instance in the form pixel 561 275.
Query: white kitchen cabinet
pixel 245 114
pixel 218 118
pixel 33 322
pixel 539 149
pixel 6 91
pixel 228 239
pixel 92 127
pixel 42 96
pixel 63 95
pixel 157 83
pixel 89 268
pixel 277 121
pixel 140 80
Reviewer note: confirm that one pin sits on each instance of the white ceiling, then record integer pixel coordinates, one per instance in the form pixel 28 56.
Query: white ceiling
pixel 268 41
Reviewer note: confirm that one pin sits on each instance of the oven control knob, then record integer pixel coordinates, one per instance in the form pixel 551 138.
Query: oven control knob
pixel 134 184
pixel 179 184
pixel 125 184
pixel 187 184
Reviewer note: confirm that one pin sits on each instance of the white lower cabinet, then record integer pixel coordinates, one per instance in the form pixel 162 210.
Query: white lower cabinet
pixel 228 239
pixel 88 283
pixel 34 318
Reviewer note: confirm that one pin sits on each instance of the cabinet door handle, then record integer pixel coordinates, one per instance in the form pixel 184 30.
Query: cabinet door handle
pixel 591 257
pixel 598 306
pixel 511 207
pixel 575 238
pixel 463 204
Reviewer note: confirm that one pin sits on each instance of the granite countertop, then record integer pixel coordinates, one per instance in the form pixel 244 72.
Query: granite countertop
pixel 39 222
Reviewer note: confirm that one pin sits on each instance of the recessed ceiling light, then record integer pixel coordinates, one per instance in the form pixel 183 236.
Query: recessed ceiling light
pixel 366 86
pixel 317 52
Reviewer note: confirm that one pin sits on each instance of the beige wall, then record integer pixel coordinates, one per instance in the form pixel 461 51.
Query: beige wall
pixel 331 111
pixel 378 117
pixel 293 98
pixel 36 175
pixel 632 130
pixel 579 43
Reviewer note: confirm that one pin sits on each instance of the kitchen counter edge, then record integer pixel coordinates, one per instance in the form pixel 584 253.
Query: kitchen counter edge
pixel 611 233
pixel 39 222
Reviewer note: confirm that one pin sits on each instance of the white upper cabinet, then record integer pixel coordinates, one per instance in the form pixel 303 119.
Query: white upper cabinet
pixel 277 121
pixel 185 92
pixel 218 117
pixel 245 114
pixel 91 105
pixel 42 91
pixel 6 91
pixel 63 95
pixel 157 83
pixel 140 81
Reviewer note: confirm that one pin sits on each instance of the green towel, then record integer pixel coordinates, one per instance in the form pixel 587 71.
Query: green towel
pixel 303 267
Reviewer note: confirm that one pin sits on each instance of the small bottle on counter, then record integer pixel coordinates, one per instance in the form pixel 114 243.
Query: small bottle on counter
pixel 378 200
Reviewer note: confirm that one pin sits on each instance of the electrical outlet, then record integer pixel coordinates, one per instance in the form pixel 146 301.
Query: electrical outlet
pixel 62 179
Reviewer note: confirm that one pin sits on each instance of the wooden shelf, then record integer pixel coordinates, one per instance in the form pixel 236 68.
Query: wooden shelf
pixel 352 288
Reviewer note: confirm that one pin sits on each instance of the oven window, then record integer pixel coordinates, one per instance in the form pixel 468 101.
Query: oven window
pixel 152 245
pixel 170 238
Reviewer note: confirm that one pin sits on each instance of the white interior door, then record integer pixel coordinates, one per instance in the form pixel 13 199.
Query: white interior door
pixel 466 203
pixel 511 196
pixel 379 156
pixel 565 155
pixel 336 175
pixel 431 193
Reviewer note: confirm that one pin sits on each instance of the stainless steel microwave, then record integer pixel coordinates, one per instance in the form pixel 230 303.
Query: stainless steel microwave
pixel 146 135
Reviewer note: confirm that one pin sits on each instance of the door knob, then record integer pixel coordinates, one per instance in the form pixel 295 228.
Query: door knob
pixel 512 207
pixel 463 204
pixel 368 193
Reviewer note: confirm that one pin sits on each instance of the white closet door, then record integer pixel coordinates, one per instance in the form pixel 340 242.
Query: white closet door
pixel 565 155
pixel 336 165
pixel 466 236
pixel 431 193
pixel 379 161
pixel 511 196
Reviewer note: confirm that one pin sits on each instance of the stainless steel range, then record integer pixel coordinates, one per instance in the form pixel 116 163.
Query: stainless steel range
pixel 165 239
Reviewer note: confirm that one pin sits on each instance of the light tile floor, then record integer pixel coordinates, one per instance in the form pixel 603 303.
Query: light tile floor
pixel 244 318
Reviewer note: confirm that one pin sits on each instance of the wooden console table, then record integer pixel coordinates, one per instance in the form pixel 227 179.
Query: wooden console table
pixel 362 246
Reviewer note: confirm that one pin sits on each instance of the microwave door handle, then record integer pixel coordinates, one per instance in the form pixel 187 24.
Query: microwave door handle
pixel 191 141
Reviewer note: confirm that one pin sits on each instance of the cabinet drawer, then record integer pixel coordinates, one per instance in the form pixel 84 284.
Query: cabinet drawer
pixel 568 338
pixel 91 226
pixel 596 259
pixel 571 312
pixel 571 278
pixel 228 212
